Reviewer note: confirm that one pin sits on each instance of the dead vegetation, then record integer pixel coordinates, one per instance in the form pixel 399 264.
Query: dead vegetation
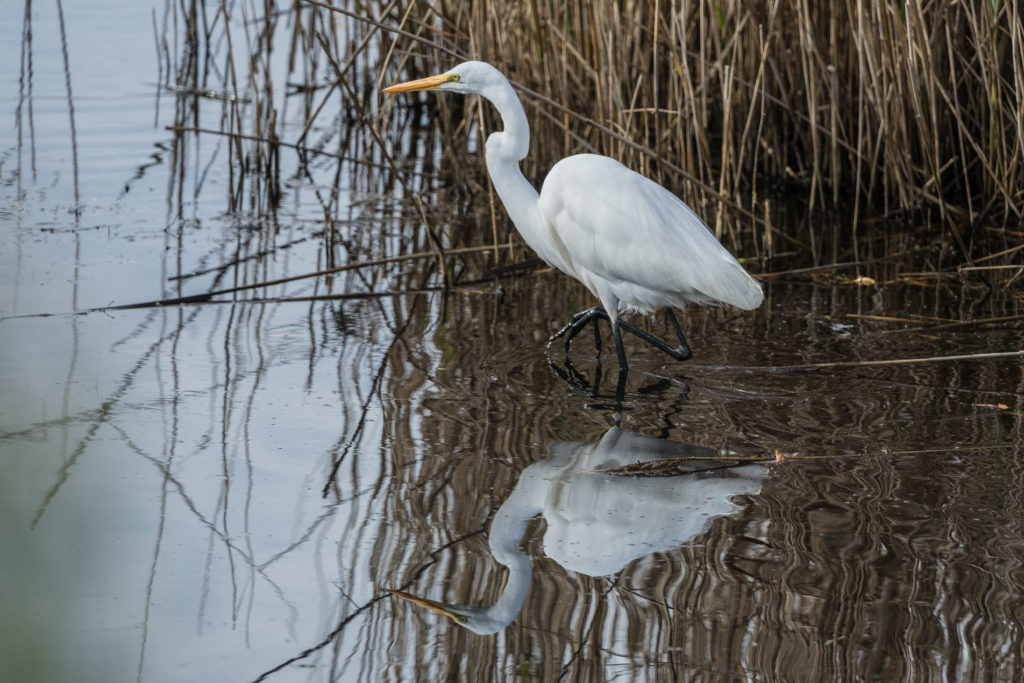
pixel 873 110
pixel 888 105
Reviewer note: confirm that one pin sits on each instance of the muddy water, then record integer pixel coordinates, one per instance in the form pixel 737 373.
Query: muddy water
pixel 229 491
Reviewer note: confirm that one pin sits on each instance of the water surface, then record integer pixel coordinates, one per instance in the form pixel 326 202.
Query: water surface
pixel 229 490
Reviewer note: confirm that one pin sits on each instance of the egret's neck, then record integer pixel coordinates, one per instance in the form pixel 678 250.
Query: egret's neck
pixel 506 533
pixel 504 151
pixel 495 618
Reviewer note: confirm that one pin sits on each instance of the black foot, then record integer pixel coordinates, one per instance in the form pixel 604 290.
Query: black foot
pixel 592 315
pixel 597 399
pixel 576 325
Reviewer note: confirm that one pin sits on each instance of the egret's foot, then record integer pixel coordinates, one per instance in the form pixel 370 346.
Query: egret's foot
pixel 577 323
pixel 597 399
pixel 595 313
pixel 681 352
pixel 592 315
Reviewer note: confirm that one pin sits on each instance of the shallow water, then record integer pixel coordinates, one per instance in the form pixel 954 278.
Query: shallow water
pixel 228 491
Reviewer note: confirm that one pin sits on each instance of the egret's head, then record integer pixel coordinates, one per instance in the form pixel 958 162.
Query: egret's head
pixel 468 77
pixel 436 607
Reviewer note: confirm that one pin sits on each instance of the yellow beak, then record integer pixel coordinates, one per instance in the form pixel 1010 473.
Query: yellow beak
pixel 435 607
pixel 428 83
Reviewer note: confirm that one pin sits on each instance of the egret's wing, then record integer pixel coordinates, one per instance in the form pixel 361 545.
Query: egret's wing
pixel 625 228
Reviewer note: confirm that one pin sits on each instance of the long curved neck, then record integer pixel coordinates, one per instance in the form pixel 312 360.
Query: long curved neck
pixel 508 605
pixel 507 529
pixel 504 151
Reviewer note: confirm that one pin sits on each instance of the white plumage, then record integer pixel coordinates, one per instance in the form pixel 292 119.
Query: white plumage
pixel 597 523
pixel 635 245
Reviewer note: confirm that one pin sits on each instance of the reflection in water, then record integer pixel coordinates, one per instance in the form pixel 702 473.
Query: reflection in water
pixel 221 491
pixel 599 522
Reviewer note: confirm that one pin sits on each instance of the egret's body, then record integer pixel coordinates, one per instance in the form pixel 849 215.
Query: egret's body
pixel 642 267
pixel 634 244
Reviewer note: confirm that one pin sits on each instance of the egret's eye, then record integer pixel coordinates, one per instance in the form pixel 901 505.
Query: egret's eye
pixel 453 78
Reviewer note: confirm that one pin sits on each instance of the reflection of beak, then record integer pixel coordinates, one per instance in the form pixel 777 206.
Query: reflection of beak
pixel 428 83
pixel 435 607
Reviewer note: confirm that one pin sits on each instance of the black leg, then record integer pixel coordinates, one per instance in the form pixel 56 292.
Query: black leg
pixel 619 351
pixel 592 315
pixel 576 325
pixel 683 351
pixel 620 390
pixel 568 374
pixel 578 321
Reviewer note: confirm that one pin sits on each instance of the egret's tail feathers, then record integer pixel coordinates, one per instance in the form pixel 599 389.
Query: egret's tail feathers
pixel 734 286
pixel 749 297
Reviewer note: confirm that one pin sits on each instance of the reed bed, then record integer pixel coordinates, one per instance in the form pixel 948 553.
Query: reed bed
pixel 890 106
pixel 868 110
pixel 871 108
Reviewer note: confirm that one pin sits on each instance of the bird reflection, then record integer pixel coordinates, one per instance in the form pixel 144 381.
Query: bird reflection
pixel 597 399
pixel 598 517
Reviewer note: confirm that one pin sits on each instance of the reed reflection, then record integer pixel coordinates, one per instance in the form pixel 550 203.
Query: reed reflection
pixel 605 503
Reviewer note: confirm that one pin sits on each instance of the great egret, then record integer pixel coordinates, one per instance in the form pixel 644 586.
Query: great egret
pixel 634 244
pixel 597 523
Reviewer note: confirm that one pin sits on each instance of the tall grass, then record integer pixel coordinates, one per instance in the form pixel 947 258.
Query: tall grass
pixel 869 105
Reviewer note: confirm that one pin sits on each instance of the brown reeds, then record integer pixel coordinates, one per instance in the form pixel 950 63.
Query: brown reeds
pixel 868 107
pixel 871 106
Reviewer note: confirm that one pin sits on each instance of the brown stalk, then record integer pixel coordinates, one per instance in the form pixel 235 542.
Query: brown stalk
pixel 895 361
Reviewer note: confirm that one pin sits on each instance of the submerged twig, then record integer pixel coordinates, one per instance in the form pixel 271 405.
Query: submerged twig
pixel 281 143
pixel 675 467
pixel 348 266
pixel 1004 252
pixel 892 361
pixel 809 269
pixel 341 296
pixel 951 325
pixel 237 261
pixel 963 269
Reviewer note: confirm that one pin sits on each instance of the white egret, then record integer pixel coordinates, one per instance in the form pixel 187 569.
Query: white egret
pixel 634 244
pixel 597 523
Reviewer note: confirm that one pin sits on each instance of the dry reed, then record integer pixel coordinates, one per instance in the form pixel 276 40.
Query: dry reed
pixel 873 107
pixel 870 108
